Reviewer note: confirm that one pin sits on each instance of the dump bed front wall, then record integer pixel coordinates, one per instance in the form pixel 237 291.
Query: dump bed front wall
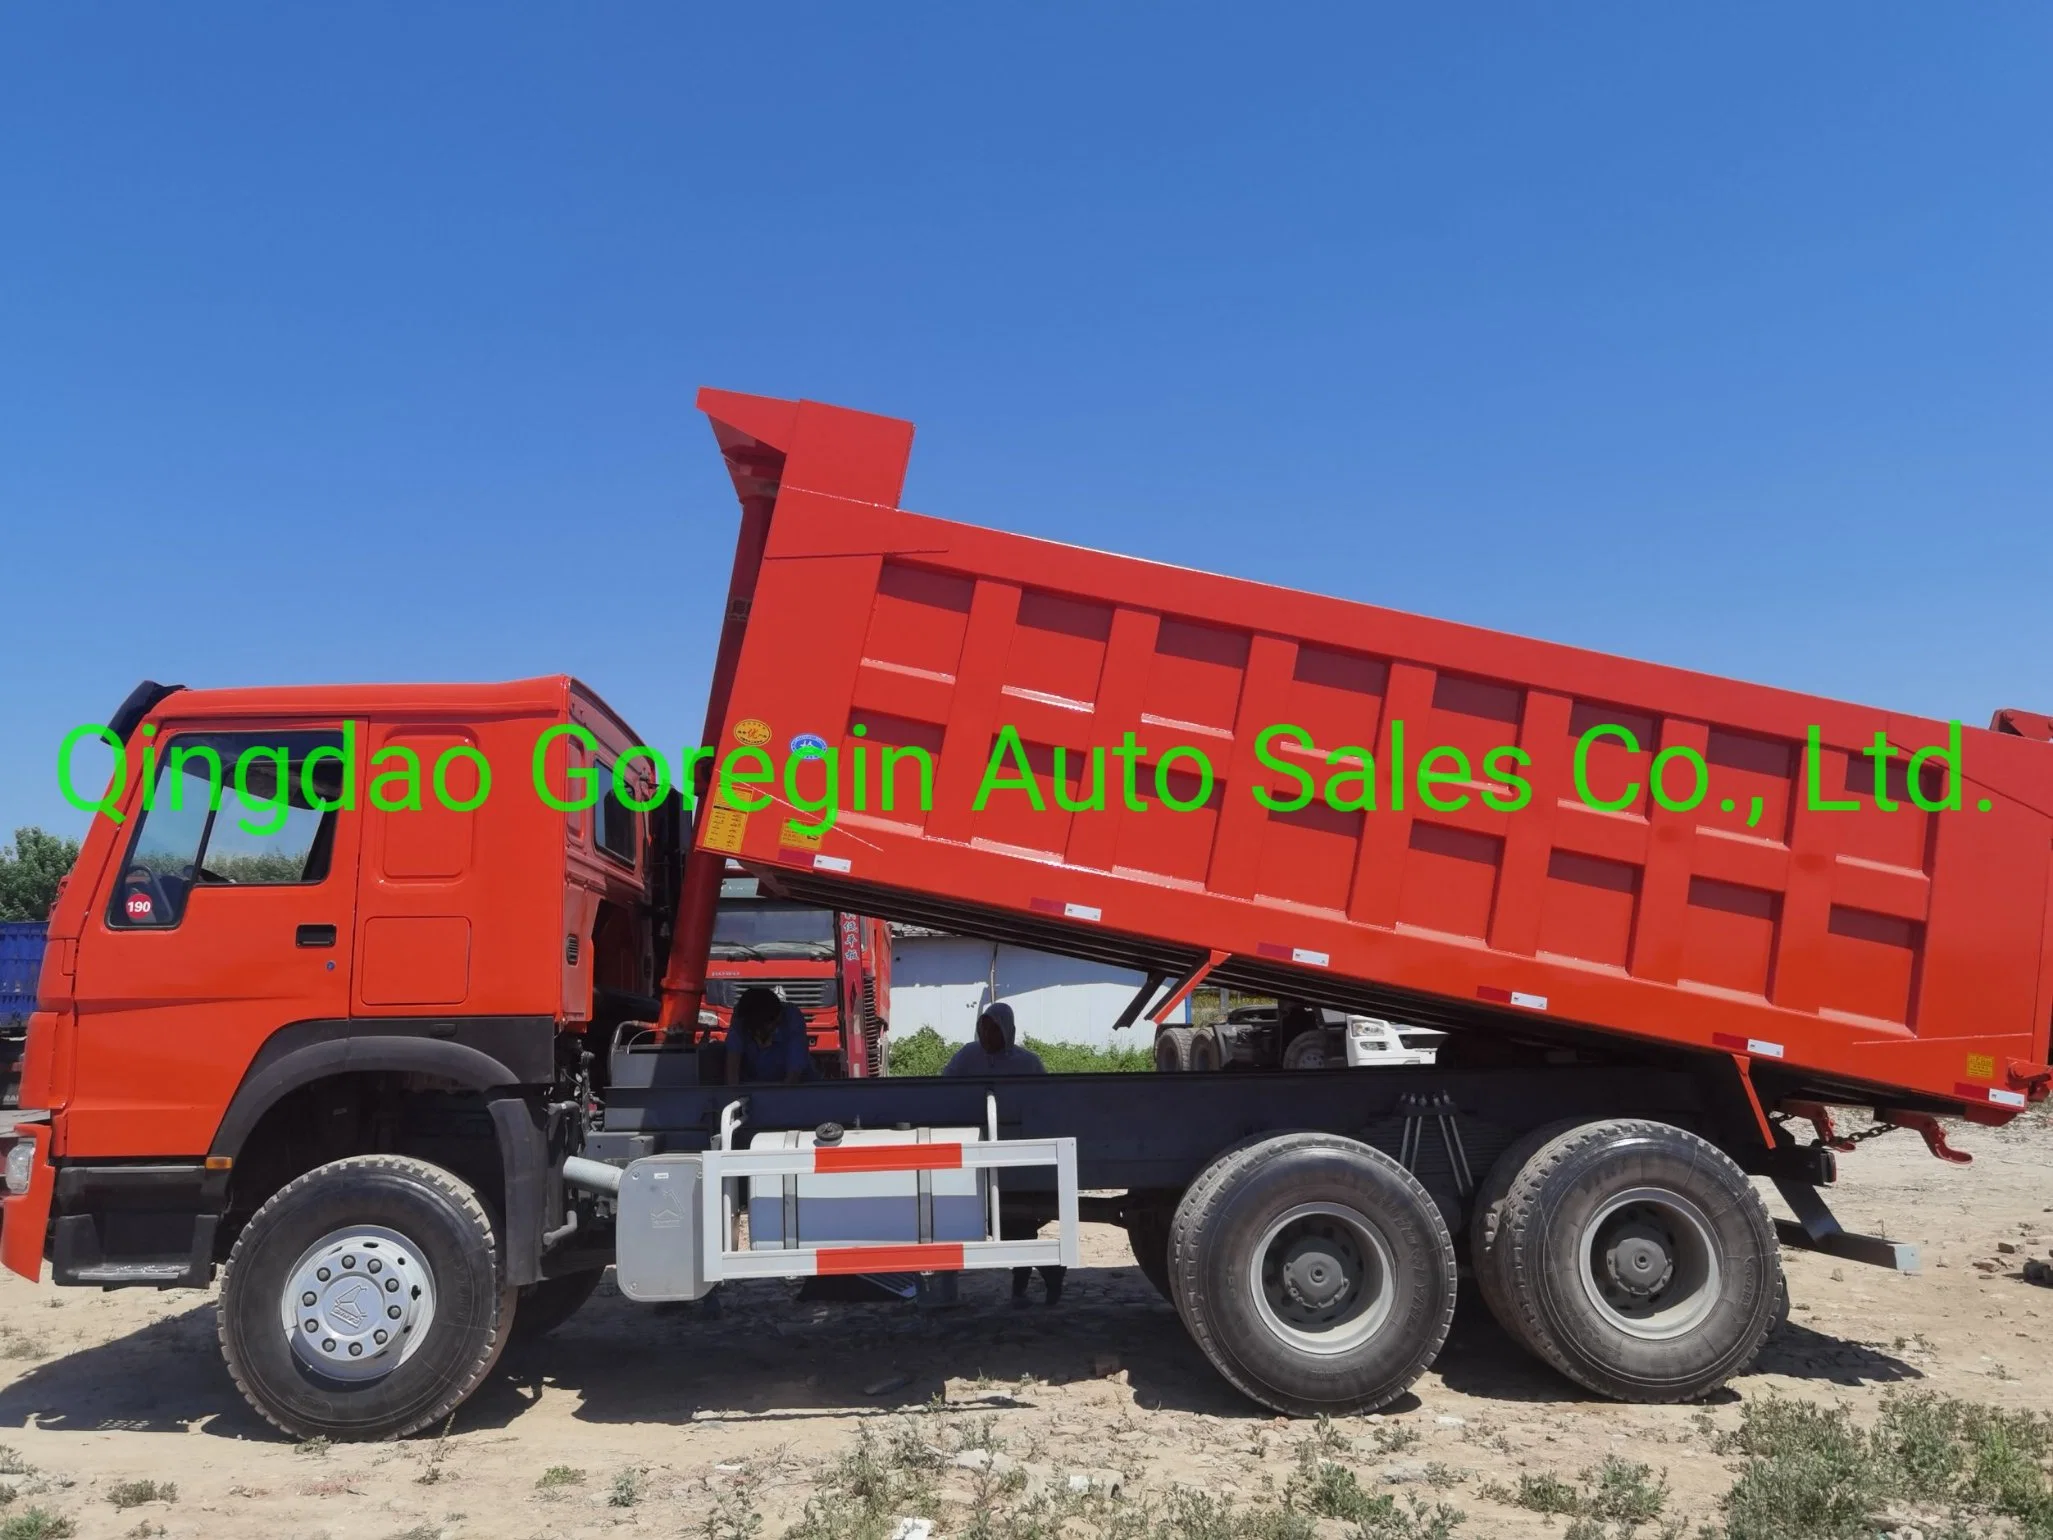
pixel 1900 948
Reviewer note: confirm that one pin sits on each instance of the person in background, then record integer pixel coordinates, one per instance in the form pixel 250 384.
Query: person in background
pixel 766 1039
pixel 996 1053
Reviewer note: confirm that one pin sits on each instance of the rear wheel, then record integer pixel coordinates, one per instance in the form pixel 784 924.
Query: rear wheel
pixel 1306 1051
pixel 1204 1050
pixel 1315 1273
pixel 1639 1260
pixel 1173 1049
pixel 363 1300
pixel 1485 1226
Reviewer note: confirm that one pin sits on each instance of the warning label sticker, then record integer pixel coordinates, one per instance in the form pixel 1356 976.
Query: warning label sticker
pixel 800 839
pixel 726 827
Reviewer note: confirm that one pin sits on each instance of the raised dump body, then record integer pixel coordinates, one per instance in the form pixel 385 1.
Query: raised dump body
pixel 1509 861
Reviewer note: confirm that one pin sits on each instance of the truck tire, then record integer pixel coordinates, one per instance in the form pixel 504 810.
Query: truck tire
pixel 546 1305
pixel 1147 1232
pixel 1314 1272
pixel 1485 1256
pixel 408 1312
pixel 1205 1055
pixel 1173 1050
pixel 1639 1260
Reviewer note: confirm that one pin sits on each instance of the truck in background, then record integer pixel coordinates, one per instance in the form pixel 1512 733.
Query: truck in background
pixel 833 965
pixel 22 943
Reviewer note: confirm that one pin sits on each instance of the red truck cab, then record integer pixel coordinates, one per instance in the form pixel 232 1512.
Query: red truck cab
pixel 363 930
pixel 834 966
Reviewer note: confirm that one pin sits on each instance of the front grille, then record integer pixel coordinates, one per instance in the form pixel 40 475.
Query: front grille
pixel 807 994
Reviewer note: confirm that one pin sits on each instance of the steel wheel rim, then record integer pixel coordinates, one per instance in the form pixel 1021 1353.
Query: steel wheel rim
pixel 1321 1278
pixel 1649 1263
pixel 358 1303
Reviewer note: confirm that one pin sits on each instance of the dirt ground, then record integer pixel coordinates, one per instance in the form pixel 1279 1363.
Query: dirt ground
pixel 102 1390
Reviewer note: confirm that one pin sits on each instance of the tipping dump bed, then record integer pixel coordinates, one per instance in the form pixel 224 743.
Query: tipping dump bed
pixel 1905 950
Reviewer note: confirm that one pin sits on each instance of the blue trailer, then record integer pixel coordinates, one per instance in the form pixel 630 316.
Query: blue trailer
pixel 21 960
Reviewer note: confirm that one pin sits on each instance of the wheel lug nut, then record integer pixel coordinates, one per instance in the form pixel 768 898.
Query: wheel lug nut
pixel 356 1350
pixel 349 1261
pixel 391 1285
pixel 327 1344
pixel 307 1299
pixel 380 1336
pixel 313 1326
pixel 375 1265
pixel 392 1311
pixel 324 1275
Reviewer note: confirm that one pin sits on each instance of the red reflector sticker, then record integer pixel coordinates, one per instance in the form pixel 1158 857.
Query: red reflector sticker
pixel 887 1157
pixel 1296 954
pixel 932 1257
pixel 138 906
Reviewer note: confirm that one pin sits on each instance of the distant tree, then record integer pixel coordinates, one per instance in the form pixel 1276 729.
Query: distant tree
pixel 30 870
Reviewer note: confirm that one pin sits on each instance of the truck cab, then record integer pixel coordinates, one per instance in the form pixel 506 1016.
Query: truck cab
pixel 834 966
pixel 319 920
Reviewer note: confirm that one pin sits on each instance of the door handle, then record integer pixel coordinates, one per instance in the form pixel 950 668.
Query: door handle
pixel 314 935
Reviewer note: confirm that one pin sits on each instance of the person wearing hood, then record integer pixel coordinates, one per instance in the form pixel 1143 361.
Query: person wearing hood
pixel 996 1052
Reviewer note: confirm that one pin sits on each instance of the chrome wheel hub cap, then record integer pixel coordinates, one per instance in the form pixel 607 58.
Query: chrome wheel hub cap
pixel 358 1303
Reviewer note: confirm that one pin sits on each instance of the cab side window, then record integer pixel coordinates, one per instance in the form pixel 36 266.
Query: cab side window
pixel 230 810
pixel 615 831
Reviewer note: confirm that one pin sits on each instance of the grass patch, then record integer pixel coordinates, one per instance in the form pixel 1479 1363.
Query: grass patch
pixel 37 1524
pixel 865 1492
pixel 560 1476
pixel 1610 1500
pixel 133 1494
pixel 627 1489
pixel 926 1052
pixel 1812 1474
pixel 1326 1490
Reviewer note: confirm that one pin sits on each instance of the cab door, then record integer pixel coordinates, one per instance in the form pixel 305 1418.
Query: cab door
pixel 227 914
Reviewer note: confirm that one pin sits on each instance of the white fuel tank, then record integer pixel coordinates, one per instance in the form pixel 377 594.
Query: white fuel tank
pixel 869 1207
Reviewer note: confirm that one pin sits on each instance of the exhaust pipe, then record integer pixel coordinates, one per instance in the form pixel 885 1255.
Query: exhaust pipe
pixel 592 1175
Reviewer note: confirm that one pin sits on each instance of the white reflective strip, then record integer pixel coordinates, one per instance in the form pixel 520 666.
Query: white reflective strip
pixel 797 1262
pixel 1530 1002
pixel 831 863
pixel 2006 1098
pixel 1299 954
pixel 1082 912
pixel 1764 1048
pixel 1034 1253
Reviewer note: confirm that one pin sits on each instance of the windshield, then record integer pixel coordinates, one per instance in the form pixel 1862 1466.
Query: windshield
pixel 772 929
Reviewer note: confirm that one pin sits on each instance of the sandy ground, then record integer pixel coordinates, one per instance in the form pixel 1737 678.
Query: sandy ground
pixel 97 1390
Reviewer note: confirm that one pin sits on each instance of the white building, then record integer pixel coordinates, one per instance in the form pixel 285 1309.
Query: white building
pixel 944 981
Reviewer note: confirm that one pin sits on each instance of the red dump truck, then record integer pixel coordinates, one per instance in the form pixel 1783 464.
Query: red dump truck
pixel 408 1071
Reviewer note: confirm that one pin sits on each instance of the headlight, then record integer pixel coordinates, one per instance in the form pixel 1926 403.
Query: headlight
pixel 21 1165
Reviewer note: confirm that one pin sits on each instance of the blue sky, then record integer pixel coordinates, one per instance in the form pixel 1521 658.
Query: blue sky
pixel 360 343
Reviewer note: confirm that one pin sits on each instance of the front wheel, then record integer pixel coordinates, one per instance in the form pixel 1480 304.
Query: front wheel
pixel 363 1300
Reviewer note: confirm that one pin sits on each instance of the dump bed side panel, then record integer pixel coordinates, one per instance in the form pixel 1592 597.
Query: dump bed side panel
pixel 1897 947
